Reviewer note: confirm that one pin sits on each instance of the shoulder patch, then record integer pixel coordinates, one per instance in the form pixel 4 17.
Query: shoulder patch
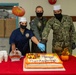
pixel 32 22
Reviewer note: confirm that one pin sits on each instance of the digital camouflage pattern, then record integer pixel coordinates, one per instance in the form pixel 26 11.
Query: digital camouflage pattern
pixel 75 37
pixel 37 25
pixel 63 33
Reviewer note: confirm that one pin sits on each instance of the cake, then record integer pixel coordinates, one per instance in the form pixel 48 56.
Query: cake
pixel 41 62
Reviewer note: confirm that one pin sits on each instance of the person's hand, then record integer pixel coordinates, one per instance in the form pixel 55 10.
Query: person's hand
pixel 41 46
pixel 73 46
pixel 13 51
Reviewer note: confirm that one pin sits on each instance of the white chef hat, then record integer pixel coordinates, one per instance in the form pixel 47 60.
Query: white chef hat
pixel 23 19
pixel 56 7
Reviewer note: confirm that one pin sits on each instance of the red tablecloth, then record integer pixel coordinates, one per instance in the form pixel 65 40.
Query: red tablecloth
pixel 16 68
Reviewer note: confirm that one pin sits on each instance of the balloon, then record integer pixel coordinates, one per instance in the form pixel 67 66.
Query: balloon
pixel 52 1
pixel 18 11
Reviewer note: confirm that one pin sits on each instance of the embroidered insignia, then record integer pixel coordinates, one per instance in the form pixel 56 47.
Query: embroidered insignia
pixel 32 22
pixel 27 35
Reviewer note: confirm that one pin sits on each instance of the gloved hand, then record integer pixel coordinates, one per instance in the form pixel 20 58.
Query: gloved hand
pixel 73 46
pixel 41 46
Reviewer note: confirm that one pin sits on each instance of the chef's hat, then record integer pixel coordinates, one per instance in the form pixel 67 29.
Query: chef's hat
pixel 57 7
pixel 23 19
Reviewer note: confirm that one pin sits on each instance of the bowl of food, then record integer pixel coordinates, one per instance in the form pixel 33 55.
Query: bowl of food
pixel 15 56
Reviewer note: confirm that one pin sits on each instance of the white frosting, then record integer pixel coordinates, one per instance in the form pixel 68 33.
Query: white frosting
pixel 45 58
